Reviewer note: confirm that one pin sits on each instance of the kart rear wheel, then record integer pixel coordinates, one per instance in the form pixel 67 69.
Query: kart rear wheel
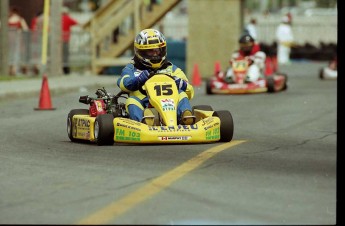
pixel 208 87
pixel 202 107
pixel 226 125
pixel 270 84
pixel 104 130
pixel 70 129
pixel 285 83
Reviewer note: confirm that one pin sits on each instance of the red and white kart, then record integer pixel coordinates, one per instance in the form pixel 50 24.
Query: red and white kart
pixel 271 83
pixel 329 72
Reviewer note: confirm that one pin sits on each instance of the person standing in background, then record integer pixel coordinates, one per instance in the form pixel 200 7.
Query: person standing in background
pixel 66 23
pixel 251 29
pixel 285 40
pixel 289 15
pixel 16 27
pixel 36 41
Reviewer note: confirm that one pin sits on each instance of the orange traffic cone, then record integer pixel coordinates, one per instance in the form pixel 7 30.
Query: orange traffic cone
pixel 45 101
pixel 216 68
pixel 196 80
pixel 269 66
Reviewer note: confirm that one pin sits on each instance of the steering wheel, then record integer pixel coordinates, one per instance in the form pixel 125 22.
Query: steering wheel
pixel 152 73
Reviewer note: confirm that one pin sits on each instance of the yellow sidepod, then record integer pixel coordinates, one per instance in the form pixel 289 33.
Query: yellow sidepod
pixel 83 127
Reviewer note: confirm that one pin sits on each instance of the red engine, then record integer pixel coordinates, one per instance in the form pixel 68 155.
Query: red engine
pixel 97 107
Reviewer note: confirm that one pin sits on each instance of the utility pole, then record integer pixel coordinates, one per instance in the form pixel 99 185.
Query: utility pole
pixel 55 38
pixel 4 37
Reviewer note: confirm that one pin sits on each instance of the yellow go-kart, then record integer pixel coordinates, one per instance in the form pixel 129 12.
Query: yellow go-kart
pixel 106 121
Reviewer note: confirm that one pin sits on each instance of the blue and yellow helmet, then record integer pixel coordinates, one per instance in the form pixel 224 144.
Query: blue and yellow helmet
pixel 150 48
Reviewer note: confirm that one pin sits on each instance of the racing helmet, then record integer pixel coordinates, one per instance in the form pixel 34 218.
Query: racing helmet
pixel 150 48
pixel 246 43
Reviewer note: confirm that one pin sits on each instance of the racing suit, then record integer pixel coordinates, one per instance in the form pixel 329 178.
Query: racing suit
pixel 285 40
pixel 257 60
pixel 137 101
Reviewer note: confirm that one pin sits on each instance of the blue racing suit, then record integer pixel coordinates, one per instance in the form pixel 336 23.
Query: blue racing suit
pixel 137 101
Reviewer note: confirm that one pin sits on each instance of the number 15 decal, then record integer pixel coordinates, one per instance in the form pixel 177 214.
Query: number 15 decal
pixel 165 90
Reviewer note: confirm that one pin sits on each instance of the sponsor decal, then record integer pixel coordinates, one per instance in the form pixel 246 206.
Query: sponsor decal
pixel 207 127
pixel 81 128
pixel 168 105
pixel 131 122
pixel 207 121
pixel 128 126
pixel 213 134
pixel 84 134
pixel 99 106
pixel 83 123
pixel 179 128
pixel 237 86
pixel 121 134
pixel 174 138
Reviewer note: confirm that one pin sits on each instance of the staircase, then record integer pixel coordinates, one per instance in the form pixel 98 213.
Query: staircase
pixel 106 50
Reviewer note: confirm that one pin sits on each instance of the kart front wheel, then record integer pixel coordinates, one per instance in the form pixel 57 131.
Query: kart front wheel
pixel 104 130
pixel 270 84
pixel 226 125
pixel 70 129
pixel 285 82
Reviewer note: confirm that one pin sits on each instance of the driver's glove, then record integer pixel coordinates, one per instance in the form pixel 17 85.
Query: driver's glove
pixel 181 84
pixel 142 77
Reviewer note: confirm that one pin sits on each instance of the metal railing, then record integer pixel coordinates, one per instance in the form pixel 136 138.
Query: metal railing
pixel 25 46
pixel 25 50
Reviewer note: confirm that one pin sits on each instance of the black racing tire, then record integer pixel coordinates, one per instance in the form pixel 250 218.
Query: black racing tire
pixel 208 87
pixel 202 107
pixel 104 130
pixel 270 84
pixel 226 125
pixel 70 130
pixel 286 79
pixel 286 82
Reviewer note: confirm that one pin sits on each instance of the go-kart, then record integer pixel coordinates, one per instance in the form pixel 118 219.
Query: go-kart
pixel 106 120
pixel 329 72
pixel 218 83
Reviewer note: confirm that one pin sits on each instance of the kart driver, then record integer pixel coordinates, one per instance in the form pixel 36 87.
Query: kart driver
pixel 250 50
pixel 150 54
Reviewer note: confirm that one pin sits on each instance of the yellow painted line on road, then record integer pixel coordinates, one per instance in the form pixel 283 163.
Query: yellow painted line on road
pixel 117 208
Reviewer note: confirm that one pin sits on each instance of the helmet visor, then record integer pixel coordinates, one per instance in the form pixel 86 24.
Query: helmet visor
pixel 154 55
pixel 246 47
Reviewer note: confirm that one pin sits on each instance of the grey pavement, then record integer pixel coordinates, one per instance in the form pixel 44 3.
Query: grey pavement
pixel 56 84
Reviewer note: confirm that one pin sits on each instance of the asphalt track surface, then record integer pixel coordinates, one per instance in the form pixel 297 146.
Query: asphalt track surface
pixel 280 167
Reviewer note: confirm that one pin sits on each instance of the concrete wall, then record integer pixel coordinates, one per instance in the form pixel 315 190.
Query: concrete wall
pixel 213 31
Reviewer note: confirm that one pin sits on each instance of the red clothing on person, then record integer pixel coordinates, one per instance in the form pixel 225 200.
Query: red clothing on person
pixel 255 49
pixel 67 22
pixel 33 24
pixel 17 22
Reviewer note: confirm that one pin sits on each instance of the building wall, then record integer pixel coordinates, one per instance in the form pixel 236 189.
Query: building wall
pixel 213 31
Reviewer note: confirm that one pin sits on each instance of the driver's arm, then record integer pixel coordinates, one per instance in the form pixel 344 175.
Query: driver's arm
pixel 179 73
pixel 128 82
